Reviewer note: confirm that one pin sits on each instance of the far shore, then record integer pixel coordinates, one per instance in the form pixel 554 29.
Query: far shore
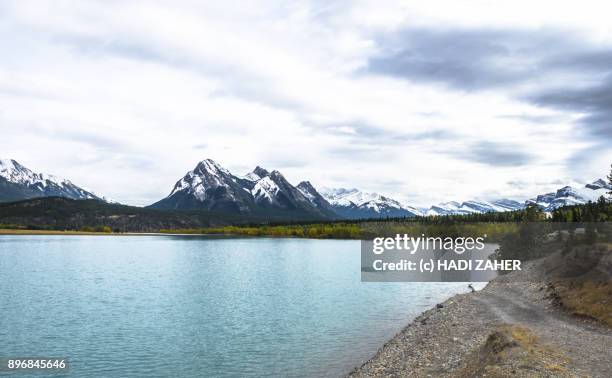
pixel 4 231
pixel 8 231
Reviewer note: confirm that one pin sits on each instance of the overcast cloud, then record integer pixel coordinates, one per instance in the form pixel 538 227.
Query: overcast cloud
pixel 421 102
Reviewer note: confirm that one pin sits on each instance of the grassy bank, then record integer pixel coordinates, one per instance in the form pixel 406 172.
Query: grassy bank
pixel 586 298
pixel 582 281
pixel 363 230
pixel 316 231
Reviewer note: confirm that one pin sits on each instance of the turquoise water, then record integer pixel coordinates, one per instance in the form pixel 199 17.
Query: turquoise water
pixel 143 306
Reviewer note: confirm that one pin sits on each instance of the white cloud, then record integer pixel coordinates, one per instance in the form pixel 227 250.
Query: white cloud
pixel 124 97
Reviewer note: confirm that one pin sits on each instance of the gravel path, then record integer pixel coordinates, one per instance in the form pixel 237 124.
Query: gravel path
pixel 437 342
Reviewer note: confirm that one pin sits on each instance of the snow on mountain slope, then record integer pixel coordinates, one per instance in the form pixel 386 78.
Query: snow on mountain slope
pixel 568 195
pixel 496 205
pixel 355 204
pixel 18 174
pixel 474 206
pixel 275 190
pixel 206 175
pixel 507 205
pixel 209 186
pixel 309 191
pixel 346 197
pixel 563 197
pixel 25 184
pixel 265 189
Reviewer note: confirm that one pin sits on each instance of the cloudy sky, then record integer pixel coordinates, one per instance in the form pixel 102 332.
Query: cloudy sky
pixel 422 101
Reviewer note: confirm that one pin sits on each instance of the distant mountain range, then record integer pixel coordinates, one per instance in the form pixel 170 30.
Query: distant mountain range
pixel 473 206
pixel 263 194
pixel 352 203
pixel 355 204
pixel 209 186
pixel 18 182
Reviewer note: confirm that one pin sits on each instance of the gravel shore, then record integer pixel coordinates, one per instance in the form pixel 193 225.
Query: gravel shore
pixel 458 338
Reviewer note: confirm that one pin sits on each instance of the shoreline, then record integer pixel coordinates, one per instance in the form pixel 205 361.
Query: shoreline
pixel 5 231
pixel 460 337
pixel 89 233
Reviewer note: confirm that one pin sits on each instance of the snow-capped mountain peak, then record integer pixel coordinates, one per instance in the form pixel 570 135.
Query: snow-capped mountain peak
pixel 29 184
pixel 265 188
pixel 16 173
pixel 257 174
pixel 211 167
pixel 206 175
pixel 275 189
pixel 261 172
pixel 311 194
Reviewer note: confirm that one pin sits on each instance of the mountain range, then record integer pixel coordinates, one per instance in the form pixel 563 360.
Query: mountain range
pixel 263 194
pixel 571 196
pixel 211 187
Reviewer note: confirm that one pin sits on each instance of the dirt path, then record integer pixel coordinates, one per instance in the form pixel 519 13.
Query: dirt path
pixel 588 345
pixel 439 341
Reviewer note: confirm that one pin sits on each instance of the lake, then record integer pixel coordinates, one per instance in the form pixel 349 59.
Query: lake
pixel 187 306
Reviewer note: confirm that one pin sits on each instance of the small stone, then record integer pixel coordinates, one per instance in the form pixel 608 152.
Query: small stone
pixel 439 305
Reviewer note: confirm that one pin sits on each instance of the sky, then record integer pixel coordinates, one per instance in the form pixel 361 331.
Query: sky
pixel 424 102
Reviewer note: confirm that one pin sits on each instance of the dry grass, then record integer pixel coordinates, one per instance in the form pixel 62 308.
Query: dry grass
pixel 513 350
pixel 588 298
pixel 581 281
pixel 523 336
pixel 588 294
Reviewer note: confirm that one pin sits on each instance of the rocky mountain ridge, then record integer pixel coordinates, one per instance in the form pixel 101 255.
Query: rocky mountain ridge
pixel 18 182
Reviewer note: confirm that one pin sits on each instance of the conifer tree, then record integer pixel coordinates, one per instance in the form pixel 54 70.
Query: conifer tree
pixel 610 181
